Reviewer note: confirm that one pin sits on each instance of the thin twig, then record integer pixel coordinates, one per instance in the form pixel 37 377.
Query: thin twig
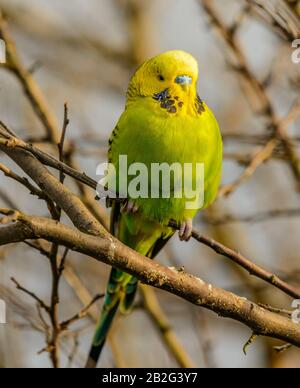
pixel 62 139
pixel 41 303
pixel 243 262
pixel 63 262
pixel 276 310
pixel 283 348
pixel 81 314
pixel 255 218
pixel 32 189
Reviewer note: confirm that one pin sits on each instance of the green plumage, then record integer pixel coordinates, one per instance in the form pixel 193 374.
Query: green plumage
pixel 163 122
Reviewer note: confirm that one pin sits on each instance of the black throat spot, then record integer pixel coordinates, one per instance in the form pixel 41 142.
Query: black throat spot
pixel 199 104
pixel 166 101
pixel 173 104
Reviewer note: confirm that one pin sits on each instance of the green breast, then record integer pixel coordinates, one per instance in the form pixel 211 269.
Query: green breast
pixel 148 134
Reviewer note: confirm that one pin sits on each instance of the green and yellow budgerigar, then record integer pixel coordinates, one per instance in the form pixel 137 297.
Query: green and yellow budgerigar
pixel 164 121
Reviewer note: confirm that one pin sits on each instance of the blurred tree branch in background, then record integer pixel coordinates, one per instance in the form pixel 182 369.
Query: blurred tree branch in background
pixel 261 103
pixel 279 15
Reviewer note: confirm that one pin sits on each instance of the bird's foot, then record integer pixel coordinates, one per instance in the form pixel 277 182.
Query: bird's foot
pixel 129 207
pixel 186 228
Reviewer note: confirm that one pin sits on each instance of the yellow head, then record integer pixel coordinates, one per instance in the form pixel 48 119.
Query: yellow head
pixel 174 70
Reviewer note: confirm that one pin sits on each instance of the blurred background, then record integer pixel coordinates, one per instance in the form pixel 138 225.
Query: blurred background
pixel 84 52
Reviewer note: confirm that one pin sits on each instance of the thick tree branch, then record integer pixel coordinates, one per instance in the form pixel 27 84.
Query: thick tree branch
pixel 17 150
pixel 47 182
pixel 186 286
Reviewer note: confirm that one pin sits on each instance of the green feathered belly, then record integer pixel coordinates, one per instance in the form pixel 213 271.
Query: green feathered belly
pixel 153 139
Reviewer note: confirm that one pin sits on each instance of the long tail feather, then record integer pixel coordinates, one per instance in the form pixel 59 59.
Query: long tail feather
pixel 111 303
pixel 120 292
pixel 100 336
pixel 113 297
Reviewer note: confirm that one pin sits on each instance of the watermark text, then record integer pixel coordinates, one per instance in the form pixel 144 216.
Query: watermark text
pixel 159 180
pixel 2 51
pixel 296 52
pixel 2 312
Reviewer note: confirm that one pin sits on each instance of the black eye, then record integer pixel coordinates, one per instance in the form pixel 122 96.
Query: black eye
pixel 161 78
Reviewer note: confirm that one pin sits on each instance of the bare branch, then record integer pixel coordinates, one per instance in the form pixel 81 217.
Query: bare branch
pixel 82 314
pixel 112 252
pixel 279 16
pixel 245 263
pixel 41 303
pixel 40 174
pixel 255 218
pixel 62 139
